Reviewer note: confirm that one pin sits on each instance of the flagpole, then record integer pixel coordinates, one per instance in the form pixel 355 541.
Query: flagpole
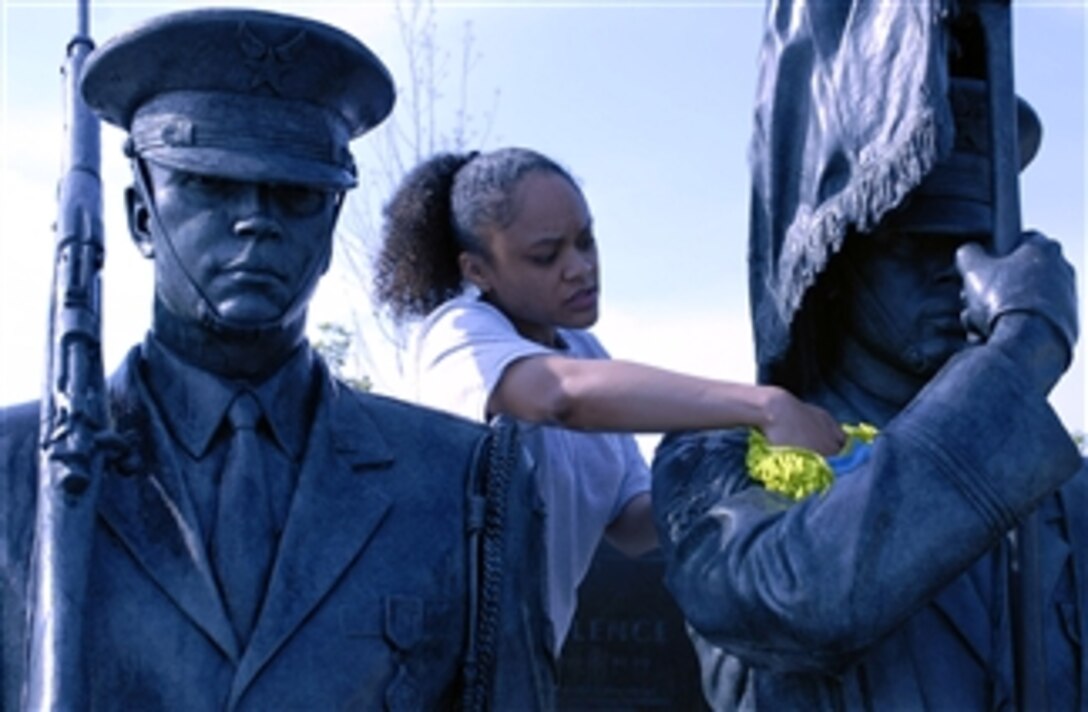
pixel 995 16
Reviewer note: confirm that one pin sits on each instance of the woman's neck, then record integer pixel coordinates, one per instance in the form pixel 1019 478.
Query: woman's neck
pixel 545 335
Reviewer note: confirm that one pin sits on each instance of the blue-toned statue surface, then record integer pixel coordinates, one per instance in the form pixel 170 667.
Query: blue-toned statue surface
pixel 878 294
pixel 271 538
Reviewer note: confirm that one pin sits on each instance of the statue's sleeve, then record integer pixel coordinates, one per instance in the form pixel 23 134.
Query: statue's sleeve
pixel 18 486
pixel 810 585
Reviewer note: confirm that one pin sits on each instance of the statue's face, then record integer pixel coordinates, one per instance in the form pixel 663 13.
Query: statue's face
pixel 903 298
pixel 251 253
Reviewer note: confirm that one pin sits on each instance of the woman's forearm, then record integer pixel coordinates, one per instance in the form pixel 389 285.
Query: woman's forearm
pixel 612 395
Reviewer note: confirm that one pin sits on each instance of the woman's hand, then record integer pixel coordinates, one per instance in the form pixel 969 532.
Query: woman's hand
pixel 794 422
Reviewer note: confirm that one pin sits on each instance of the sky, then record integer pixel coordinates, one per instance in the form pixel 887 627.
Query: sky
pixel 649 104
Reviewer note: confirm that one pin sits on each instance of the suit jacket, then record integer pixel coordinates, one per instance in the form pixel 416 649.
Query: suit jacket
pixel 368 605
pixel 892 589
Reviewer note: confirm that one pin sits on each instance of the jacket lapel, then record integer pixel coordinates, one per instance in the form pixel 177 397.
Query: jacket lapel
pixel 961 601
pixel 1074 498
pixel 334 513
pixel 150 514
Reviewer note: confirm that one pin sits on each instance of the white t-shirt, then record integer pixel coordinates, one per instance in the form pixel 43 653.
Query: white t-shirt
pixel 584 479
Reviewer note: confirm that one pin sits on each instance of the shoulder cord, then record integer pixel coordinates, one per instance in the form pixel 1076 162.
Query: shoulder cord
pixel 489 485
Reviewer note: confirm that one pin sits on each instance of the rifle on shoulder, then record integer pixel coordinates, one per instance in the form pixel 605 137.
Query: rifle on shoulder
pixel 74 411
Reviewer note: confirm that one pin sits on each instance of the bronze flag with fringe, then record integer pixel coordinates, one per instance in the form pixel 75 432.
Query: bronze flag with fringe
pixel 851 114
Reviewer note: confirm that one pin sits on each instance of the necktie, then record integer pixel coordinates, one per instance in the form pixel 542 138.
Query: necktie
pixel 244 538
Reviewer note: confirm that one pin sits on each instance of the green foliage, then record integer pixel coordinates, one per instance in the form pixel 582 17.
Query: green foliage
pixel 334 345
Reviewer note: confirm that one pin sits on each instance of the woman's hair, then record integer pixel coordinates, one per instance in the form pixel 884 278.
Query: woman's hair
pixel 443 207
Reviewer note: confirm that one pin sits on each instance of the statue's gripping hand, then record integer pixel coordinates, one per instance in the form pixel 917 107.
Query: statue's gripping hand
pixel 1035 278
pixel 1032 290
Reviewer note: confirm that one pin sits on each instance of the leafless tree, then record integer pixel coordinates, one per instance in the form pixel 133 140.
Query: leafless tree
pixel 431 114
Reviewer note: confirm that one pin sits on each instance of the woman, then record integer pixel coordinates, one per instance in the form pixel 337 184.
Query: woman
pixel 497 251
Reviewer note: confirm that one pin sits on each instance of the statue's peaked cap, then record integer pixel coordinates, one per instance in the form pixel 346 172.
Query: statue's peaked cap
pixel 956 197
pixel 244 94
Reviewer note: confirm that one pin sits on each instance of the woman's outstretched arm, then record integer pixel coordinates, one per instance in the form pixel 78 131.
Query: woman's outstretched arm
pixel 615 395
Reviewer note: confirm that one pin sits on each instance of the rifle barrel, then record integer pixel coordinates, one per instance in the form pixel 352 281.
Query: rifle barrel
pixel 74 412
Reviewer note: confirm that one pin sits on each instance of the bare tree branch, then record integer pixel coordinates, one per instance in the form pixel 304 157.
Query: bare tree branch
pixel 424 122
